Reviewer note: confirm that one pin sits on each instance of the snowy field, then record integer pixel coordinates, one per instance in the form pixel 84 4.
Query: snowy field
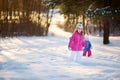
pixel 47 58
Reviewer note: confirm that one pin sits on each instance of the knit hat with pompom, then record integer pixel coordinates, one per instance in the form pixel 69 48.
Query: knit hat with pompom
pixel 79 25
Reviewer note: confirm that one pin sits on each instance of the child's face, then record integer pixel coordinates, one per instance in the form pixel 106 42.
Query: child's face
pixel 80 30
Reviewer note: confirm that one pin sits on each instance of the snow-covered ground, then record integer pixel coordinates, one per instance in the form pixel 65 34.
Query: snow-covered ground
pixel 47 58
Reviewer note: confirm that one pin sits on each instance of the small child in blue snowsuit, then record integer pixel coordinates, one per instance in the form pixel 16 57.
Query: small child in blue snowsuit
pixel 87 48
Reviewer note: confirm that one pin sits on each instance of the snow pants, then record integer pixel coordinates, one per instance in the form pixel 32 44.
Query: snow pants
pixel 76 56
pixel 89 53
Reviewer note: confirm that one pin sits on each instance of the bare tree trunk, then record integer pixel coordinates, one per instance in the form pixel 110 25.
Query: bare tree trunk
pixel 106 24
pixel 106 31
pixel 84 27
pixel 49 19
pixel 47 25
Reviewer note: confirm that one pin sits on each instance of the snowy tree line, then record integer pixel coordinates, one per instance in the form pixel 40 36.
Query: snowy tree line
pixel 34 18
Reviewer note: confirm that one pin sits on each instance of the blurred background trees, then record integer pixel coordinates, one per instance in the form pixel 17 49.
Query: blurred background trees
pixel 101 17
pixel 21 17
pixel 106 15
pixel 33 17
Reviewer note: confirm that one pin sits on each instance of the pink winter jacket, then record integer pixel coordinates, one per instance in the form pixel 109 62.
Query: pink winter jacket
pixel 76 42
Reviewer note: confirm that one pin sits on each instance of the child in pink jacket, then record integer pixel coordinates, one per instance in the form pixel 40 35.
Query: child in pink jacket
pixel 76 43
